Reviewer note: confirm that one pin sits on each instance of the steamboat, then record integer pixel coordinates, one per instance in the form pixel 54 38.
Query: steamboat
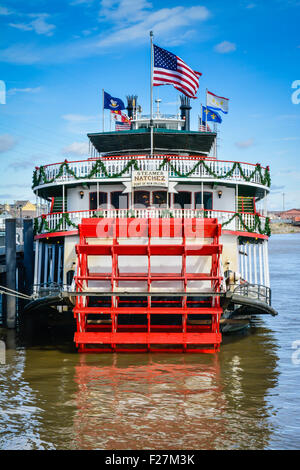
pixel 152 242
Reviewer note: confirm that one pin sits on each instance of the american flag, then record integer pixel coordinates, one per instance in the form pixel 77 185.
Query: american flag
pixel 123 122
pixel 169 69
pixel 122 126
pixel 202 128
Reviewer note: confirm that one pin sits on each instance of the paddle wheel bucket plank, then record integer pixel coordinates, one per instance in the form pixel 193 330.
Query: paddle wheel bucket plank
pixel 169 323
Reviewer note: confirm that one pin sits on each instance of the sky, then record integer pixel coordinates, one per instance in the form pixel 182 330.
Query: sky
pixel 56 58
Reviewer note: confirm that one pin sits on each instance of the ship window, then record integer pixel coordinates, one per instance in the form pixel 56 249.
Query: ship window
pixel 93 200
pixel 119 200
pixel 159 198
pixel 142 198
pixel 207 198
pixel 182 200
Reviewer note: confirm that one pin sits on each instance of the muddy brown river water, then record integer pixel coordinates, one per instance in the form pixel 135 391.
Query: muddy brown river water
pixel 245 397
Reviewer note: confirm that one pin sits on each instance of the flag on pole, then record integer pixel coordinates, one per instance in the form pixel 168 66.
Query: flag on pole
pixel 216 102
pixel 122 121
pixel 169 69
pixel 209 115
pixel 112 103
pixel 122 126
pixel 202 126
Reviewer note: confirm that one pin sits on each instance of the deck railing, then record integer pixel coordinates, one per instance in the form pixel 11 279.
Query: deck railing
pixel 177 166
pixel 68 221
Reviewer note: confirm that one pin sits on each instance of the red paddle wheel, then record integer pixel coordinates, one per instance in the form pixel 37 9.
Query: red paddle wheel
pixel 125 317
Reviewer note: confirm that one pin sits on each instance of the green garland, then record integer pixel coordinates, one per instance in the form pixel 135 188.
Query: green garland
pixel 39 175
pixel 256 227
pixel 265 178
pixel 38 228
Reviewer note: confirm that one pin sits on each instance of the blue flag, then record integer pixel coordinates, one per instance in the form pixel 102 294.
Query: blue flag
pixel 210 115
pixel 114 104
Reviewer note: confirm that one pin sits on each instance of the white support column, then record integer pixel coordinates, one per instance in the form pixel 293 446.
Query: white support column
pixel 52 264
pixel 255 262
pixel 246 262
pixel 36 265
pixel 241 249
pixel 266 262
pixel 59 264
pixel 46 264
pixel 261 278
pixel 39 278
pixel 250 263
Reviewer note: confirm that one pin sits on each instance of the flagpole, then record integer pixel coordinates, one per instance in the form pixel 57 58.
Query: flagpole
pixel 102 109
pixel 151 96
pixel 206 111
pixel 201 116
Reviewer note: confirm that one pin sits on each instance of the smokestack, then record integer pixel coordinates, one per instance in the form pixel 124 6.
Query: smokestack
pixel 185 108
pixel 131 105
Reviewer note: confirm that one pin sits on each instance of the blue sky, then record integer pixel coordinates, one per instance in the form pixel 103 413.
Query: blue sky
pixel 56 57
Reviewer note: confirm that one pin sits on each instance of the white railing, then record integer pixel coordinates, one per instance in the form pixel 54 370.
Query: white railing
pixel 178 167
pixel 69 221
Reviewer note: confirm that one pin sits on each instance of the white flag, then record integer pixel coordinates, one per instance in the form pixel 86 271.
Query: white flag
pixel 217 102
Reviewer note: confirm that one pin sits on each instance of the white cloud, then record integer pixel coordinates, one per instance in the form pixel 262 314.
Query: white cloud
pixel 79 118
pixel 13 91
pixel 130 23
pixel 81 2
pixel 245 143
pixel 5 11
pixel 225 47
pixel 77 148
pixel 121 10
pixel 165 23
pixel 39 25
pixel 7 142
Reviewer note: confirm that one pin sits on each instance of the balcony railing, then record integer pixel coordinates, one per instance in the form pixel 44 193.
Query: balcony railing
pixel 177 166
pixel 68 221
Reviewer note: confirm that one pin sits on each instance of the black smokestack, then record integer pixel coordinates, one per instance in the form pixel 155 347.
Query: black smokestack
pixel 131 105
pixel 185 108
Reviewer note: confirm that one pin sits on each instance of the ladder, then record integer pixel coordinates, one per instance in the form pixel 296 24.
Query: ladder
pixel 148 318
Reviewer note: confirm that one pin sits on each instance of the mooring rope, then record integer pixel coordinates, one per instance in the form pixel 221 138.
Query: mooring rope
pixel 14 293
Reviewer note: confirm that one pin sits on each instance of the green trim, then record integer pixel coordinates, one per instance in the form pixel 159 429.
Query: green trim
pixel 38 228
pixel 39 175
pixel 256 227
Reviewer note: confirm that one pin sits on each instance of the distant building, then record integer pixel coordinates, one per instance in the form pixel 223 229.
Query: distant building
pixel 290 214
pixel 19 209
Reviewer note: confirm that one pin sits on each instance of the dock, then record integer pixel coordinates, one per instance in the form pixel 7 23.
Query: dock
pixel 16 271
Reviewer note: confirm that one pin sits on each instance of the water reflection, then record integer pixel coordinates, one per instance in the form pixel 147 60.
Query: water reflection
pixel 177 402
pixel 53 397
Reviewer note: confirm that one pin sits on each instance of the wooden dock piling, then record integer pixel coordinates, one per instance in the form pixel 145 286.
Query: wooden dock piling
pixel 28 255
pixel 11 266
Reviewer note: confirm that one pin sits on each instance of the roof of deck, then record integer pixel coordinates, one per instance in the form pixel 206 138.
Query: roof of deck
pixel 166 140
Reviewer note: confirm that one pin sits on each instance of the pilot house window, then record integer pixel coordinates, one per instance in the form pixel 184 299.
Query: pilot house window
pixel 142 198
pixel 207 200
pixel 93 200
pixel 159 198
pixel 183 200
pixel 119 200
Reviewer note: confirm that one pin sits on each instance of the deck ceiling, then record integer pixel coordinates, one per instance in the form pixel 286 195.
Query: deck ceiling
pixel 163 140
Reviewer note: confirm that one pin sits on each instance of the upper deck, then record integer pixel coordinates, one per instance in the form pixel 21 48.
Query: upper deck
pixel 48 179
